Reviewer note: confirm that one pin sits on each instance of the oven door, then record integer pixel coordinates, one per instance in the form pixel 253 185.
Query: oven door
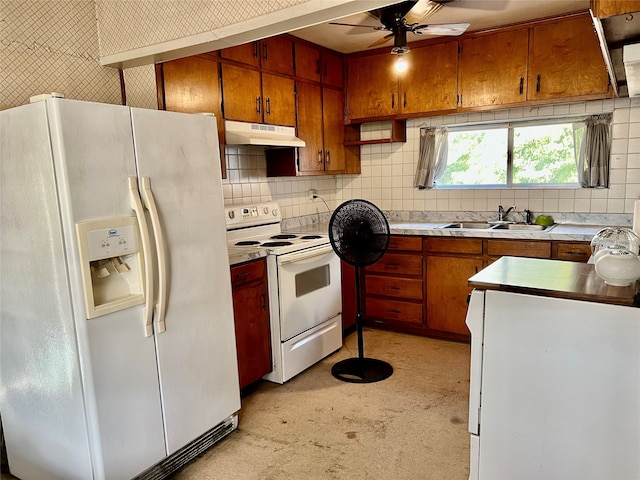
pixel 308 289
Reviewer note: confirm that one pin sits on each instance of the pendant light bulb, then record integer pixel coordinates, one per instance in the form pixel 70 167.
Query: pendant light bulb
pixel 401 64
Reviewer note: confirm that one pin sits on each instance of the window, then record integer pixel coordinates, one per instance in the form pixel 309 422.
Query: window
pixel 523 154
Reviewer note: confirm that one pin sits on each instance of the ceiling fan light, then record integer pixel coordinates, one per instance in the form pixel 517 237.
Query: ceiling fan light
pixel 400 50
pixel 401 64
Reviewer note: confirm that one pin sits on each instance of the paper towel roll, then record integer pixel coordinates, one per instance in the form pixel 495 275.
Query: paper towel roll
pixel 636 217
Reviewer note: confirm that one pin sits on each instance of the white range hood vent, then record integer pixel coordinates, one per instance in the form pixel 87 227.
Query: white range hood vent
pixel 242 133
pixel 631 60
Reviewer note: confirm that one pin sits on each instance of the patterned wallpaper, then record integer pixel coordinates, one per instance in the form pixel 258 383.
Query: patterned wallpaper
pixel 127 25
pixel 52 46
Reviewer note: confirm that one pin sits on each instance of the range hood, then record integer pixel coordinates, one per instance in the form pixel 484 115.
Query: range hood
pixel 619 37
pixel 243 133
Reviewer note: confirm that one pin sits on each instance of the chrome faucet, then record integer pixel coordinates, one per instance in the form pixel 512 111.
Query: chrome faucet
pixel 502 213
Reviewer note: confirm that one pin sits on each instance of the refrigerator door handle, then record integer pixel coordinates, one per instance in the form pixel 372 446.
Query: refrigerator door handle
pixel 150 204
pixel 136 205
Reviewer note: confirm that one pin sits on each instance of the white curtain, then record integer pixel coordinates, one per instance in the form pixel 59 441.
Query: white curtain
pixel 432 158
pixel 595 149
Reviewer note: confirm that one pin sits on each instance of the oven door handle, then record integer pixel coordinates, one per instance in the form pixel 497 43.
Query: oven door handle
pixel 305 254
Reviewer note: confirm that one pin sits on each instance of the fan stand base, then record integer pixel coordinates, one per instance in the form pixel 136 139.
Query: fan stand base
pixel 361 370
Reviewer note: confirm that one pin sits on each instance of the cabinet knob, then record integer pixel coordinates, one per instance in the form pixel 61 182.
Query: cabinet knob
pixel 538 84
pixel 268 106
pixel 328 156
pixel 258 105
pixel 521 85
pixel 320 156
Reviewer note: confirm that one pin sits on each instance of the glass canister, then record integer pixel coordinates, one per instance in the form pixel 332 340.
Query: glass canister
pixel 616 238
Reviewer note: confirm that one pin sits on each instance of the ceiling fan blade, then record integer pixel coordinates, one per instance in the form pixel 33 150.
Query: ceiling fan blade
pixel 422 10
pixel 381 41
pixel 448 29
pixel 374 27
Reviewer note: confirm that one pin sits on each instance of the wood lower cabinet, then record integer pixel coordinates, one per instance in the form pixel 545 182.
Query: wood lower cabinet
pixel 450 263
pixel 393 288
pixel 421 285
pixel 251 315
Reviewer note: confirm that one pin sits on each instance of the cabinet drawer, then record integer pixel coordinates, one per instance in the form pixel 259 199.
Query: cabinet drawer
pixel 394 310
pixel 400 242
pixel 575 252
pixel 394 287
pixel 404 264
pixel 247 272
pixel 454 245
pixel 524 248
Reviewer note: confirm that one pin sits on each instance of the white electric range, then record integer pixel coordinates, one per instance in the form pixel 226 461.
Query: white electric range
pixel 305 301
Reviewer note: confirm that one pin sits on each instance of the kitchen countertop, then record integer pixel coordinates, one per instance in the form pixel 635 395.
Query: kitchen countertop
pixel 553 278
pixel 560 231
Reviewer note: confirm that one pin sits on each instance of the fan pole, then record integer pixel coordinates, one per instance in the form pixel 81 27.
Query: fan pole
pixel 359 315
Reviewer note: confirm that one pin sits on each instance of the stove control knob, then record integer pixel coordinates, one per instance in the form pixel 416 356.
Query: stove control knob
pixel 232 214
pixel 274 212
pixel 266 210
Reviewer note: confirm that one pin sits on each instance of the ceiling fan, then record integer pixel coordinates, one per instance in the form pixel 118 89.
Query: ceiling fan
pixel 408 16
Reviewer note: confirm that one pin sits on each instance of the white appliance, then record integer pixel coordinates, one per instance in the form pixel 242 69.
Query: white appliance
pixel 117 336
pixel 243 133
pixel 305 299
pixel 555 390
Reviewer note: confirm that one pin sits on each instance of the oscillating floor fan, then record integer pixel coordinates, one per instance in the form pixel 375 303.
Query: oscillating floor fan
pixel 359 234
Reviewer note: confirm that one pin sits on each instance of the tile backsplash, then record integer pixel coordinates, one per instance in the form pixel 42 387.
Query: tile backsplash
pixel 388 171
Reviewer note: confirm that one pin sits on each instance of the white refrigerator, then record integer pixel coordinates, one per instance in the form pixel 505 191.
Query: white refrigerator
pixel 117 347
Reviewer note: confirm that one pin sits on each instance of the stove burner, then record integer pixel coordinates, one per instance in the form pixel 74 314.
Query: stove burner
pixel 283 236
pixel 311 237
pixel 248 242
pixel 276 244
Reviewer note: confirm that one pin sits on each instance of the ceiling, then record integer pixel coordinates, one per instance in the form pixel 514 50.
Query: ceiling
pixel 481 14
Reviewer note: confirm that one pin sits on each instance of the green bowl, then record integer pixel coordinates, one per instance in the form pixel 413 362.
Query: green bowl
pixel 545 220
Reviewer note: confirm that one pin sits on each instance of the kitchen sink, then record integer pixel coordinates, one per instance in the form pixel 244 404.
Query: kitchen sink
pixel 474 225
pixel 491 226
pixel 519 226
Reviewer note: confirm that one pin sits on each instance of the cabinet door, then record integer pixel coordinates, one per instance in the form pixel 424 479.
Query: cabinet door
pixel 372 87
pixel 487 75
pixel 279 100
pixel 309 127
pixel 251 317
pixel 447 291
pixel 307 62
pixel 248 53
pixel 333 126
pixel 565 60
pixel 277 55
pixel 242 99
pixel 430 84
pixel 192 85
pixel 332 70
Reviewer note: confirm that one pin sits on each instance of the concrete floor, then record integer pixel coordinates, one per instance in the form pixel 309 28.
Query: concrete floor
pixel 412 425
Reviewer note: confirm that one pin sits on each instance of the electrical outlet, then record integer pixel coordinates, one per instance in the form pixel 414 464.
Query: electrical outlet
pixel 312 192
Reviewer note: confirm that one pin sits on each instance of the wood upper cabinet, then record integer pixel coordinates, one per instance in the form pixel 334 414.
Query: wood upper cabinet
pixel 324 150
pixel 274 54
pixel 242 94
pixel 307 62
pixel 430 83
pixel 489 77
pixel 248 53
pixel 319 66
pixel 608 8
pixel 251 318
pixel 332 69
pixel 279 100
pixel 372 87
pixel 251 96
pixel 565 60
pixel 192 85
pixel 333 129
